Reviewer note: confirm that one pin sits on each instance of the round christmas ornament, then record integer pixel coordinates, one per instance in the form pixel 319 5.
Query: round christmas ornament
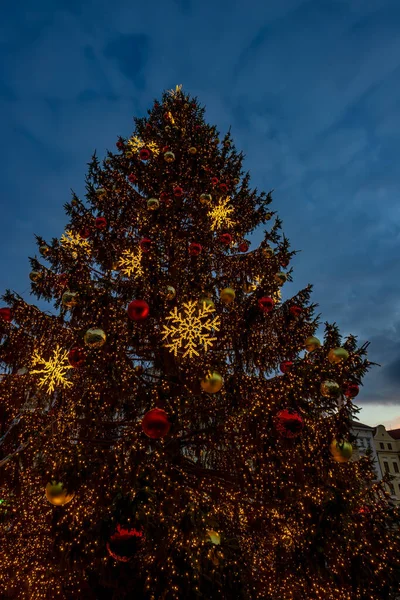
pixel 69 299
pixel 265 304
pixel 284 262
pixel 295 311
pixel 155 423
pixel 195 249
pixel 124 543
pixel 120 145
pixel 207 301
pixel 145 244
pixel 341 451
pixel 286 366
pixel 165 197
pixel 225 238
pixel 192 150
pixel 132 178
pixel 213 537
pixel 178 191
pixel 212 383
pixel 5 314
pixel 76 357
pixel 57 494
pixel 144 154
pixel 101 192
pixel 312 343
pixel 153 203
pixel 214 180
pixel 138 310
pixel 85 233
pixel 288 423
pixel 236 181
pixel 101 223
pixel 350 390
pixel 227 295
pixel 205 198
pixel 244 246
pixel 268 252
pixel 169 292
pixel 169 156
pixel 139 370
pixel 280 278
pixel 35 276
pixel 223 188
pixel 337 355
pixel 330 389
pixel 44 250
pixel 95 338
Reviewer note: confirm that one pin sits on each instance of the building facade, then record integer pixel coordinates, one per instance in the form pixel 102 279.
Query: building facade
pixel 365 444
pixel 388 451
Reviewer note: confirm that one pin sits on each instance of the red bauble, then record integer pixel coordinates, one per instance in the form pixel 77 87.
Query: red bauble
pixel 85 233
pixel 132 177
pixel 178 191
pixel 145 244
pixel 101 222
pixel 195 249
pixel 223 187
pixel 265 304
pixel 165 149
pixel 138 310
pixel 286 366
pixel 124 543
pixel 225 238
pixel 243 247
pixel 76 357
pixel 284 262
pixel 164 196
pixel 295 311
pixel 155 423
pixel 5 314
pixel 120 145
pixel 214 180
pixel 288 423
pixel 350 390
pixel 144 154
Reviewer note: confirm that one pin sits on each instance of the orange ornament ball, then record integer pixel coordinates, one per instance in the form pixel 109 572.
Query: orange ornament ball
pixel 155 423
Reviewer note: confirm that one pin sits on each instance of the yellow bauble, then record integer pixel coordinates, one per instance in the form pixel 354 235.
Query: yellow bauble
pixel 69 299
pixel 341 451
pixel 312 343
pixel 268 252
pixel 330 389
pixel 169 156
pixel 95 338
pixel 205 198
pixel 153 203
pixel 227 295
pixel 280 277
pixel 44 250
pixel 56 494
pixel 192 150
pixel 207 301
pixel 212 383
pixel 35 275
pixel 169 292
pixel 213 537
pixel 337 355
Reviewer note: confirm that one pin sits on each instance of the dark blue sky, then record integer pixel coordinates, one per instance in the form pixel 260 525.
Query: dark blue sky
pixel 311 90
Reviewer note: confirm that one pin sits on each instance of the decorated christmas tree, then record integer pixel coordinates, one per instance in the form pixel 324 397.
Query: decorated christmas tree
pixel 173 428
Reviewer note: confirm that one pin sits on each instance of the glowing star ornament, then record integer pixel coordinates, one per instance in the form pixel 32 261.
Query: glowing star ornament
pixel 74 241
pixel 176 91
pixel 53 371
pixel 130 264
pixel 219 215
pixel 191 329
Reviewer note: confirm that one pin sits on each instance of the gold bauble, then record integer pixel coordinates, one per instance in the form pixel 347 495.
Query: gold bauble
pixel 207 301
pixel 44 250
pixel 35 275
pixel 74 255
pixel 341 451
pixel 153 203
pixel 212 383
pixel 95 338
pixel 227 295
pixel 205 198
pixel 192 150
pixel 330 389
pixel 56 494
pixel 70 299
pixel 170 292
pixel 268 216
pixel 100 192
pixel 268 252
pixel 337 355
pixel 312 343
pixel 213 537
pixel 169 157
pixel 128 154
pixel 280 277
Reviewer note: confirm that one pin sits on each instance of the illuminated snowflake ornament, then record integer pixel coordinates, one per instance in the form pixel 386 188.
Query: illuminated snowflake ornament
pixel 130 263
pixel 135 144
pixel 74 242
pixel 53 371
pixel 220 214
pixel 191 329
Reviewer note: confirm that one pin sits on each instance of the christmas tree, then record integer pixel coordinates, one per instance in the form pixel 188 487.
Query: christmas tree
pixel 174 429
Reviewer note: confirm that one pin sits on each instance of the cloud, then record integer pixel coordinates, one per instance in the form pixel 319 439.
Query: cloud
pixel 131 53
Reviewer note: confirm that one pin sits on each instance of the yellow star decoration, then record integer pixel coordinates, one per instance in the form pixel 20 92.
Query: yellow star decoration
pixel 190 329
pixel 220 214
pixel 54 370
pixel 130 263
pixel 176 91
pixel 136 144
pixel 73 242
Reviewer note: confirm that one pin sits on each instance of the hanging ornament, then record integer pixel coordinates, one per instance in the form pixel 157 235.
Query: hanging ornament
pixel 295 311
pixel 195 249
pixel 95 338
pixel 76 357
pixel 284 262
pixel 5 314
pixel 132 177
pixel 153 203
pixel 155 423
pixel 177 191
pixel 225 238
pixel 337 355
pixel 286 366
pixel 169 292
pixel 227 295
pixel 223 188
pixel 205 198
pixel 139 370
pixel 214 180
pixel 268 252
pixel 57 494
pixel 120 145
pixel 144 154
pixel 192 150
pixel 236 181
pixel 350 390
pixel 312 343
pixel 145 244
pixel 288 423
pixel 244 246
pixel 84 233
pixel 280 278
pixel 100 193
pixel 138 310
pixel 35 276
pixel 213 537
pixel 212 383
pixel 124 543
pixel 330 389
pixel 169 156
pixel 44 250
pixel 101 223
pixel 205 300
pixel 341 451
pixel 70 299
pixel 265 304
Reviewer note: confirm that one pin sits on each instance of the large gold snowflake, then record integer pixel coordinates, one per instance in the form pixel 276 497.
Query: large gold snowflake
pixel 277 296
pixel 130 263
pixel 136 144
pixel 190 329
pixel 73 242
pixel 220 214
pixel 53 372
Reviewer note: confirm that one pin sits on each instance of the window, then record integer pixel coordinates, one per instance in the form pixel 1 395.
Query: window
pixel 389 446
pixel 381 445
pixel 396 467
pixel 386 466
pixel 392 489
